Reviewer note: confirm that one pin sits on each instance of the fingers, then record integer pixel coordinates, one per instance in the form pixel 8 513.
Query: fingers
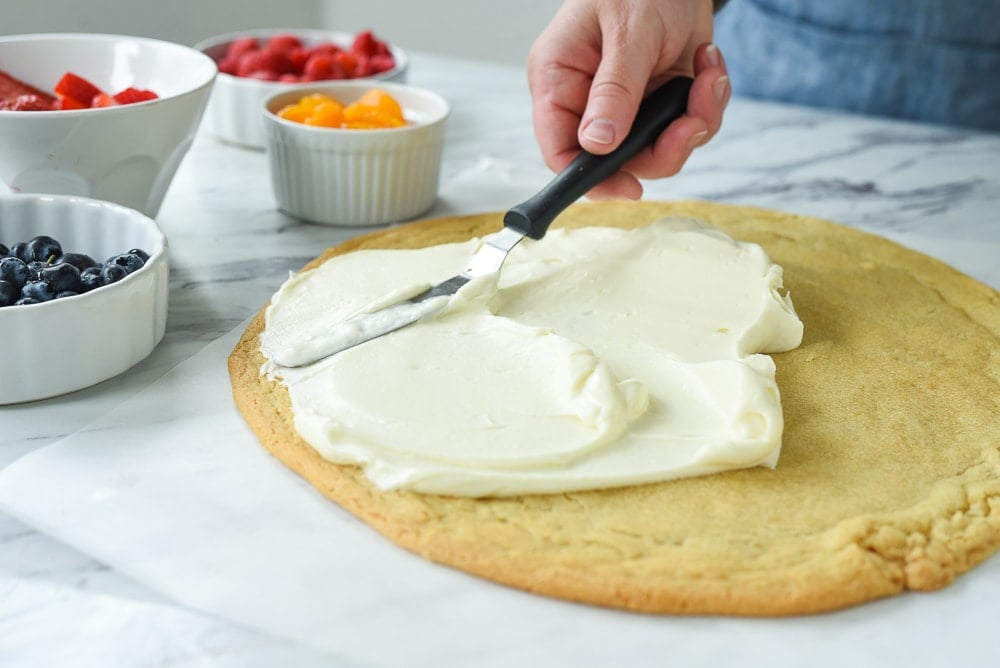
pixel 707 100
pixel 618 87
pixel 560 70
pixel 558 99
pixel 711 91
pixel 665 158
pixel 621 185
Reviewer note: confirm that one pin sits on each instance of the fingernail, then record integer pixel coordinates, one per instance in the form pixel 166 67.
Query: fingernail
pixel 712 54
pixel 600 131
pixel 720 87
pixel 697 139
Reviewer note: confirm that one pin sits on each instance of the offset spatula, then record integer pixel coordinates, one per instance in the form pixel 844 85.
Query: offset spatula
pixel 528 219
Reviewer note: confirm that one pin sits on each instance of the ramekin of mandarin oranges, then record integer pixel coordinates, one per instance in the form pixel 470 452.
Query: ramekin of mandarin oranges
pixel 355 153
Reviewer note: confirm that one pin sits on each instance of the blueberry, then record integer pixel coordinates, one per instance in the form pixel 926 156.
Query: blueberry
pixel 34 267
pixel 44 248
pixel 90 278
pixel 14 270
pixel 79 260
pixel 25 301
pixel 4 251
pixel 9 293
pixel 20 251
pixel 38 290
pixel 143 255
pixel 61 277
pixel 112 273
pixel 66 293
pixel 128 261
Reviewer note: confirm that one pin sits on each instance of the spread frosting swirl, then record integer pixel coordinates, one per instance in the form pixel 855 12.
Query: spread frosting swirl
pixel 598 357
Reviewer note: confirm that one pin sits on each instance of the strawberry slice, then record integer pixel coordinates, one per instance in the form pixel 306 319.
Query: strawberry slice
pixel 131 95
pixel 103 100
pixel 69 104
pixel 11 88
pixel 73 88
pixel 26 103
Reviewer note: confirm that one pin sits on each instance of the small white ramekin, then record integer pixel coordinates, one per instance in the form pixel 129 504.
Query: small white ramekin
pixel 357 177
pixel 68 344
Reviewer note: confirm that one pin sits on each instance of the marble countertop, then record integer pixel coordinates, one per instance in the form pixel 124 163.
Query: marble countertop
pixel 67 599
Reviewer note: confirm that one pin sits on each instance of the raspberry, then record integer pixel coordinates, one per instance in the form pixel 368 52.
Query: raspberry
pixel 322 66
pixel 284 43
pixel 348 62
pixel 363 67
pixel 326 47
pixel 278 62
pixel 299 57
pixel 273 62
pixel 381 63
pixel 240 46
pixel 229 65
pixel 364 43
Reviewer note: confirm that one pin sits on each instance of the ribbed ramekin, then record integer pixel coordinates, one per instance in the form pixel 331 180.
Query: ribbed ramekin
pixel 357 177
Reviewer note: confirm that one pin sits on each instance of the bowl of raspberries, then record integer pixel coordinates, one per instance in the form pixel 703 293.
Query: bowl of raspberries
pixel 83 293
pixel 256 65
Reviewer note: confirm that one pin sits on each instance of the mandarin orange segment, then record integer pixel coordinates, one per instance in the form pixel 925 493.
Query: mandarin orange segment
pixel 361 117
pixel 295 112
pixel 327 114
pixel 307 107
pixel 314 100
pixel 381 100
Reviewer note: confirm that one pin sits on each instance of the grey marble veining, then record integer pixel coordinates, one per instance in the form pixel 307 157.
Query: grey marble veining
pixel 934 188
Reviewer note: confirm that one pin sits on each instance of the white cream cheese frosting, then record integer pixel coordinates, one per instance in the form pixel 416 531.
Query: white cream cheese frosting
pixel 598 357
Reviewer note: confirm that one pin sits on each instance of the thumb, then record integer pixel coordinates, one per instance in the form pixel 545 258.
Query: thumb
pixel 615 94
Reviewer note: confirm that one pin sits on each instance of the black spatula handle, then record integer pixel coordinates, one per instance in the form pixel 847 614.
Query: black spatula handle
pixel 657 111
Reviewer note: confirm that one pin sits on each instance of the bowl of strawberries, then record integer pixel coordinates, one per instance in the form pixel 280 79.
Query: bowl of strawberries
pixel 259 64
pixel 108 117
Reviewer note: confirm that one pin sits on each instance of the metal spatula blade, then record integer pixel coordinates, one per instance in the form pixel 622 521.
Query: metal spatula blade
pixel 531 219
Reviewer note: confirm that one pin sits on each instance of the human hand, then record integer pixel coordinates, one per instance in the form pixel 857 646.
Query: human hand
pixel 595 61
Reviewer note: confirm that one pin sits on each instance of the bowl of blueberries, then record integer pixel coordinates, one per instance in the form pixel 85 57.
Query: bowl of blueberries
pixel 83 293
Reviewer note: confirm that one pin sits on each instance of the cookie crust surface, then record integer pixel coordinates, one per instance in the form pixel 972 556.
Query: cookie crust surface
pixel 889 477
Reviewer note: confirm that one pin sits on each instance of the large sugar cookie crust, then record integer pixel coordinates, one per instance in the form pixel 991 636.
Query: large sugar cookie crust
pixel 889 477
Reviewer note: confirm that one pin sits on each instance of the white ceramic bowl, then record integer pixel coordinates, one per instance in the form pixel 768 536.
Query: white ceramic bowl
pixel 233 113
pixel 67 344
pixel 126 154
pixel 357 177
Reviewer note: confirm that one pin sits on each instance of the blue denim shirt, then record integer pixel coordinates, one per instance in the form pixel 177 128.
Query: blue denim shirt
pixel 926 60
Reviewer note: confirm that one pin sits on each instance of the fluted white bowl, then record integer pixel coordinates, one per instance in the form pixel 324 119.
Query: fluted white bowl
pixel 233 113
pixel 71 343
pixel 126 154
pixel 357 177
